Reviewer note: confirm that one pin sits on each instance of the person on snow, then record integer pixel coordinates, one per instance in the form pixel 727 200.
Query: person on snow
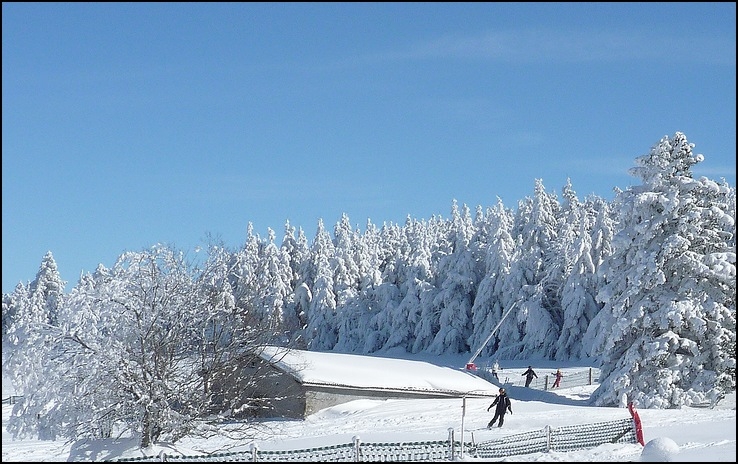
pixel 502 405
pixel 495 368
pixel 557 381
pixel 529 374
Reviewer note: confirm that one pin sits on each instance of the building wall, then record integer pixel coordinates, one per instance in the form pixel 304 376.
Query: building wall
pixel 274 392
pixel 258 389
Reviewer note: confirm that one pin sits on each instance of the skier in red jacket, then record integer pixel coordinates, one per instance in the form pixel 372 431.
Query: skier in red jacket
pixel 557 381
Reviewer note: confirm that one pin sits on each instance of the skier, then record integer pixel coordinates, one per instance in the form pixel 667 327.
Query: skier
pixel 502 403
pixel 557 381
pixel 529 374
pixel 495 368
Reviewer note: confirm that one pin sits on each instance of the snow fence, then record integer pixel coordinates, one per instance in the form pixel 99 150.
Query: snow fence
pixel 569 438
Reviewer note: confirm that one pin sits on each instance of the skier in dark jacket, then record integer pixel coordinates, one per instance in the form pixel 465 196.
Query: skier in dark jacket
pixel 529 374
pixel 502 403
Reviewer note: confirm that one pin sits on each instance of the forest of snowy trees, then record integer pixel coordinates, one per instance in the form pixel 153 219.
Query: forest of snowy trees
pixel 645 285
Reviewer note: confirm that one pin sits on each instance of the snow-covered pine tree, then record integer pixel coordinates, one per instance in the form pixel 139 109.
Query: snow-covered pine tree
pixel 47 291
pixel 297 251
pixel 352 311
pixel 666 333
pixel 491 303
pixel 427 318
pixel 322 330
pixel 577 299
pixel 14 305
pixel 456 294
pixel 273 281
pixel 530 330
pixel 411 274
pixel 32 333
pixel 380 300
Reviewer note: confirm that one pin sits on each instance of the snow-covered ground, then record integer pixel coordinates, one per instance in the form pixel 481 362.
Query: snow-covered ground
pixel 701 434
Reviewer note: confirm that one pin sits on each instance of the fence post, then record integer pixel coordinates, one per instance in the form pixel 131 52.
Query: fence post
pixel 254 451
pixel 451 451
pixel 590 376
pixel 548 438
pixel 545 383
pixel 357 448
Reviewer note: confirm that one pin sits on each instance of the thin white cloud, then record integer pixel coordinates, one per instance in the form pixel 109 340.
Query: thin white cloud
pixel 534 46
pixel 715 172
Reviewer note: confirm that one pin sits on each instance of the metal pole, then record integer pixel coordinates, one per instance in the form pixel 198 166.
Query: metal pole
pixel 474 356
pixel 357 448
pixel 463 413
pixel 450 443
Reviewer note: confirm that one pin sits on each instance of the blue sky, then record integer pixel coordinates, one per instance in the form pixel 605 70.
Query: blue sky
pixel 129 124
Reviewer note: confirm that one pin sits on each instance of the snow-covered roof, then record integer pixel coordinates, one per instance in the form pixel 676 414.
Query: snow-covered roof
pixel 372 372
